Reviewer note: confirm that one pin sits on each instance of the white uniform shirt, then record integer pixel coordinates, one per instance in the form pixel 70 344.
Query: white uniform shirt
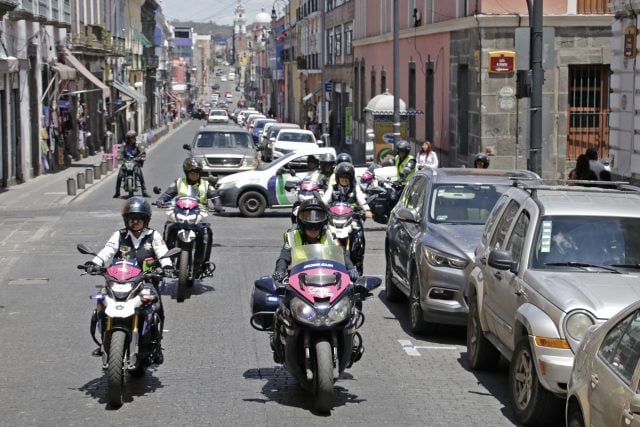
pixel 113 245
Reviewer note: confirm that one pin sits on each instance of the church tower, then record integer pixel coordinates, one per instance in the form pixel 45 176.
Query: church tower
pixel 239 22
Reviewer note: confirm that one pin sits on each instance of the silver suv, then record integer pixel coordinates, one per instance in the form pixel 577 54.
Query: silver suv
pixel 553 261
pixel 223 149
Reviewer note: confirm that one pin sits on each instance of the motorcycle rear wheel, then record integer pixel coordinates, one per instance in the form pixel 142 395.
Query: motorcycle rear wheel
pixel 325 398
pixel 115 369
pixel 183 275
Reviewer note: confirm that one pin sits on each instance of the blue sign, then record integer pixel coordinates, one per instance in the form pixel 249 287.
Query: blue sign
pixel 328 86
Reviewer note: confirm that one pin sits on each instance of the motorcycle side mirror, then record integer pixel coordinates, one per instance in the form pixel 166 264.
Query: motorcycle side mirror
pixel 187 147
pixel 157 190
pixel 171 252
pixel 84 249
pixel 367 283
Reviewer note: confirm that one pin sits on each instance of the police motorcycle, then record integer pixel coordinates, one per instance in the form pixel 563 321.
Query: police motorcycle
pixel 306 188
pixel 314 316
pixel 126 320
pixel 346 224
pixel 382 194
pixel 184 230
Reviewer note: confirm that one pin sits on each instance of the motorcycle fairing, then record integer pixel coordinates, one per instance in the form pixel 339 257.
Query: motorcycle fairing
pixel 318 272
pixel 187 202
pixel 121 309
pixel 123 270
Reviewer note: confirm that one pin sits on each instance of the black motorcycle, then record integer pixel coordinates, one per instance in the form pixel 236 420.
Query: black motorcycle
pixel 127 323
pixel 382 195
pixel 314 317
pixel 130 171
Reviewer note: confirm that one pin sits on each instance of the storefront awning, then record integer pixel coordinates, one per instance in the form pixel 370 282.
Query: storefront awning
pixel 72 60
pixel 129 91
pixel 64 72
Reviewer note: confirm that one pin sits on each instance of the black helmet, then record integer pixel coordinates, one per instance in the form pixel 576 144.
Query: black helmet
pixel 347 170
pixel 191 164
pixel 344 157
pixel 403 145
pixel 327 158
pixel 482 158
pixel 312 214
pixel 136 207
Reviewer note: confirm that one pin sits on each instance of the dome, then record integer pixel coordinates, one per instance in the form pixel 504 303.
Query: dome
pixel 383 104
pixel 262 18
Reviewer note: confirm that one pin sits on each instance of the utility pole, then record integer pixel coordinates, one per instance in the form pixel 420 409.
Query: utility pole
pixel 325 106
pixel 537 78
pixel 396 75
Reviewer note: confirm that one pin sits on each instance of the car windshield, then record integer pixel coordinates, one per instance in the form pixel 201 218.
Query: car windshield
pixel 295 137
pixel 223 140
pixel 587 241
pixel 219 113
pixel 464 203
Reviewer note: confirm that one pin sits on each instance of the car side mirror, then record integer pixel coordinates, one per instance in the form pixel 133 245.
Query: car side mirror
pixel 272 139
pixel 157 190
pixel 408 214
pixel 187 147
pixel 502 260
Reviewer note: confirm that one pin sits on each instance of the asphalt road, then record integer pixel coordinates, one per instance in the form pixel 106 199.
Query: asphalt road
pixel 217 370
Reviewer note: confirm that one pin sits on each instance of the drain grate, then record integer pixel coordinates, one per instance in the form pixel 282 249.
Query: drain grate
pixel 32 281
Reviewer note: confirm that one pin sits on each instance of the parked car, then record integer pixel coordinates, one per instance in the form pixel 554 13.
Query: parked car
pixel 241 117
pixel 430 238
pixel 223 149
pixel 218 115
pixel 552 261
pixel 268 136
pixel 248 123
pixel 258 126
pixel 288 140
pixel 254 191
pixel 603 390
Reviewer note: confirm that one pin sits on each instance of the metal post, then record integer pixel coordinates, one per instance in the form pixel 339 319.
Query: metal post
pixel 88 173
pixel 396 74
pixel 71 187
pixel 537 74
pixel 80 178
pixel 97 171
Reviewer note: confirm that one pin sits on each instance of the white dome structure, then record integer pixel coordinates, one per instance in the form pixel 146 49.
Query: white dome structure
pixel 262 18
pixel 382 105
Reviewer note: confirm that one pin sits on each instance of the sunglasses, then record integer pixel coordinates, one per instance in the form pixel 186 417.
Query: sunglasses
pixel 314 227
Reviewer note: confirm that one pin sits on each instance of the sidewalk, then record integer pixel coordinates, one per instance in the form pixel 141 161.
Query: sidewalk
pixel 50 190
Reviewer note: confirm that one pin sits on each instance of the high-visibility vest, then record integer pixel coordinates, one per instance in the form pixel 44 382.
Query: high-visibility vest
pixel 294 238
pixel 401 165
pixel 203 188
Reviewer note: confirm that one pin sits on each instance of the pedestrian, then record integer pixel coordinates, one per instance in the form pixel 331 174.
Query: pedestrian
pixel 594 163
pixel 44 147
pixel 582 171
pixel 426 157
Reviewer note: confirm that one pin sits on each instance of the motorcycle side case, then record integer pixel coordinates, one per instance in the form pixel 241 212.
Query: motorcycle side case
pixel 264 302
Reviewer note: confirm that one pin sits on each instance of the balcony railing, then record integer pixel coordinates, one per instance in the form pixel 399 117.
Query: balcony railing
pixel 593 7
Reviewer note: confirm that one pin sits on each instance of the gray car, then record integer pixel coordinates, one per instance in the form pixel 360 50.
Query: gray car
pixel 430 238
pixel 552 262
pixel 223 149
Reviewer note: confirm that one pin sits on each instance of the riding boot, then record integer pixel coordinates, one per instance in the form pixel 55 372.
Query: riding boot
pixel 118 184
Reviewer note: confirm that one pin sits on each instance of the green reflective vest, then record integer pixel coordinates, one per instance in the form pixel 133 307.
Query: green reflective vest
pixel 203 188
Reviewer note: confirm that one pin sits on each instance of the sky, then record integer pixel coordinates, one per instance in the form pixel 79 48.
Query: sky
pixel 218 11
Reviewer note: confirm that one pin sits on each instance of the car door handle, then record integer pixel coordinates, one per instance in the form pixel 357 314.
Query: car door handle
pixel 594 380
pixel 498 275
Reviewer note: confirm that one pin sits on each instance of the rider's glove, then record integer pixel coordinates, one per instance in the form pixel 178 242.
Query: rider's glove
pixel 91 267
pixel 353 274
pixel 279 276
pixel 168 270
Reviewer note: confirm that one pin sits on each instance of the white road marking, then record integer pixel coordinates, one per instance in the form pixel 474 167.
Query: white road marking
pixel 412 350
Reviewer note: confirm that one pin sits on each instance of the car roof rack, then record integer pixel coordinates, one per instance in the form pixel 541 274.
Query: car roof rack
pixel 574 185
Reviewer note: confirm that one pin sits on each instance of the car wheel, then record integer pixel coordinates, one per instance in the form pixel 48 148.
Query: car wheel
pixel 252 204
pixel 416 315
pixel 392 293
pixel 481 354
pixel 575 418
pixel 532 403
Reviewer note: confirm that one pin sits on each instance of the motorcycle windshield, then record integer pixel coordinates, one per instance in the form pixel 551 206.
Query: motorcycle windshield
pixel 122 270
pixel 187 202
pixel 340 209
pixel 318 266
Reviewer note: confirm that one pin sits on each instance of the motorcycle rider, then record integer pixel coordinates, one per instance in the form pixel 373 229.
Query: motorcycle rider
pixel 481 161
pixel 404 162
pixel 131 150
pixel 325 174
pixel 346 190
pixel 138 242
pixel 192 171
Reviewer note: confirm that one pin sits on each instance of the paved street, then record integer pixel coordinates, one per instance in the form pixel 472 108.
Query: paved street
pixel 217 370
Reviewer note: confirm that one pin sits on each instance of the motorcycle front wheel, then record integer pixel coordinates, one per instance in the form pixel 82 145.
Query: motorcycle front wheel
pixel 131 188
pixel 115 369
pixel 183 275
pixel 324 376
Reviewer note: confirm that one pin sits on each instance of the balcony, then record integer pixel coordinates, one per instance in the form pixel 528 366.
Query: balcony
pixel 593 7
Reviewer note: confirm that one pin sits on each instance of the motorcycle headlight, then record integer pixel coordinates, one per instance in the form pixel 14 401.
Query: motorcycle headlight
pixel 120 290
pixel 303 311
pixel 190 219
pixel 442 259
pixel 339 312
pixel 576 325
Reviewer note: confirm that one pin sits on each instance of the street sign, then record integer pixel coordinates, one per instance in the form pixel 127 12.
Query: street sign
pixel 328 86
